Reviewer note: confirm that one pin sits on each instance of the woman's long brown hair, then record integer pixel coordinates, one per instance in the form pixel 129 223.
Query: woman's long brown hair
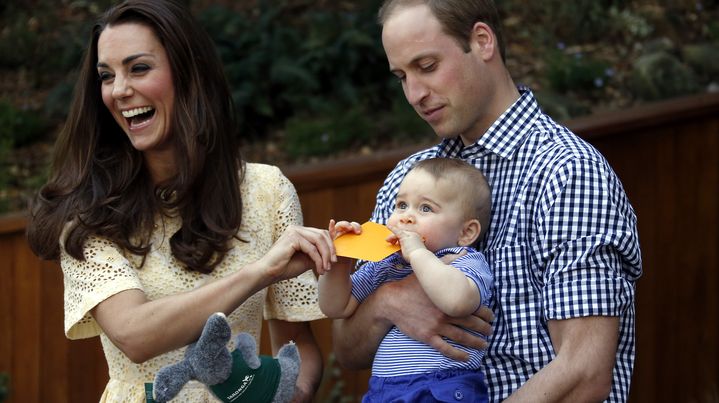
pixel 99 183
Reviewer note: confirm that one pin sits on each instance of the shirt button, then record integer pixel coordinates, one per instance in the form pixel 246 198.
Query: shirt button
pixel 458 395
pixel 398 266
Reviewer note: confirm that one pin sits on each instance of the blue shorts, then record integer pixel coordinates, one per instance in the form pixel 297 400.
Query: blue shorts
pixel 457 385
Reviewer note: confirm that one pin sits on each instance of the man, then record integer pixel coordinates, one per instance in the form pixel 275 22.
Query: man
pixel 562 242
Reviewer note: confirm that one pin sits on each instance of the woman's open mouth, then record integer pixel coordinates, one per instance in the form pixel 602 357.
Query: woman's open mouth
pixel 139 117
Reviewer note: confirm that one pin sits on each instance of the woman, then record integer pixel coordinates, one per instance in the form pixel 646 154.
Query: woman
pixel 155 219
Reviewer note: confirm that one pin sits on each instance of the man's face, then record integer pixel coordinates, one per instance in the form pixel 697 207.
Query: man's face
pixel 449 88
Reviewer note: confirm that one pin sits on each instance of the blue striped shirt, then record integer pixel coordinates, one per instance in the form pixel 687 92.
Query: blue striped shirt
pixel 399 354
pixel 562 242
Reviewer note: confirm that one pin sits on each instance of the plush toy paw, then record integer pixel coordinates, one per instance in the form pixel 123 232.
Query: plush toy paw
pixel 207 360
pixel 289 359
pixel 241 376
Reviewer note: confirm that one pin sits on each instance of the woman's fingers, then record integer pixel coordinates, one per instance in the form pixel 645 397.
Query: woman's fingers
pixel 317 245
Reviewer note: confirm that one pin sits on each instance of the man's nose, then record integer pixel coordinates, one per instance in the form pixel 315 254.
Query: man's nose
pixel 415 90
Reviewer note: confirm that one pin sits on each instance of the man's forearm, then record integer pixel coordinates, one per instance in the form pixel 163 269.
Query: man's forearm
pixel 582 369
pixel 356 339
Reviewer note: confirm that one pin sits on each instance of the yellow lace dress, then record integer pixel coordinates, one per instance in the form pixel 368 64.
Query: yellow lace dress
pixel 270 204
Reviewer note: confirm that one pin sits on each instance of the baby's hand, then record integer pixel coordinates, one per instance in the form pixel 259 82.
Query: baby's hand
pixel 408 240
pixel 340 228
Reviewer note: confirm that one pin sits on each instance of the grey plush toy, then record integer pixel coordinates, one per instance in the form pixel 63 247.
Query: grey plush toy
pixel 240 376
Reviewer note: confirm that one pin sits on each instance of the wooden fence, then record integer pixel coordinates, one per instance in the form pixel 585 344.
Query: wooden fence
pixel 667 156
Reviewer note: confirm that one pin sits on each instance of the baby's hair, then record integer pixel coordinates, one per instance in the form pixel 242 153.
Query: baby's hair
pixel 470 183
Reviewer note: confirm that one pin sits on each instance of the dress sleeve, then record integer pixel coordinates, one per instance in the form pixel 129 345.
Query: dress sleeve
pixel 103 273
pixel 296 299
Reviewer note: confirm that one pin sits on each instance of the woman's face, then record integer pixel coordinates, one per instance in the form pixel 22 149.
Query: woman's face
pixel 136 85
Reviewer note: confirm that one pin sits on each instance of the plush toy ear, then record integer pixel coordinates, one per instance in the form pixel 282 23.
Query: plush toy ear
pixel 247 346
pixel 209 358
pixel 206 360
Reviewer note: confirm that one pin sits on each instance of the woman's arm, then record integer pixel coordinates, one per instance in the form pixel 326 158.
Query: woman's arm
pixel 281 333
pixel 143 329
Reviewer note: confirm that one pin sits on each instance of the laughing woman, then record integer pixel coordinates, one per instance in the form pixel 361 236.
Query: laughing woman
pixel 156 220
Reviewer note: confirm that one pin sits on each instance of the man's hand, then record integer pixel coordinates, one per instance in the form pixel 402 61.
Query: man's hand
pixel 409 308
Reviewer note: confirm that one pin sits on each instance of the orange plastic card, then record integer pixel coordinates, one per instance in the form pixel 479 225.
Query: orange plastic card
pixel 370 245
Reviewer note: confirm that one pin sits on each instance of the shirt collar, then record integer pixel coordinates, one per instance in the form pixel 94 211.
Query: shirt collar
pixel 506 133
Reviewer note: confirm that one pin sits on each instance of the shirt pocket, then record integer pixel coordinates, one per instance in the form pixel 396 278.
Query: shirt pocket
pixel 517 302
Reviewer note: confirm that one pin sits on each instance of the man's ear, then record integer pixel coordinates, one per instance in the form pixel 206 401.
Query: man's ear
pixel 483 39
pixel 470 232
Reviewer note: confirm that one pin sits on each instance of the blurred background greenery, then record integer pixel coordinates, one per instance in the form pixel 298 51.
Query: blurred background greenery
pixel 310 79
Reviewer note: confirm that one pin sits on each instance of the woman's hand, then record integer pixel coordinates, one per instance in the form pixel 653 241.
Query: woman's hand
pixel 298 249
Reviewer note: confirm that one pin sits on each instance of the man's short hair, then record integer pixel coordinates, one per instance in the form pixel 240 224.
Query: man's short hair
pixel 456 16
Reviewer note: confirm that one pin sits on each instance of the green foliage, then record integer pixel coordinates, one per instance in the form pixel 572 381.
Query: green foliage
pixel 556 20
pixel 567 71
pixel 702 57
pixel 660 75
pixel 18 41
pixel 712 30
pixel 282 64
pixel 19 127
pixel 5 149
pixel 4 386
pixel 322 135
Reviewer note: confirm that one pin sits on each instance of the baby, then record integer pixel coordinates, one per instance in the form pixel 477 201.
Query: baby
pixel 442 209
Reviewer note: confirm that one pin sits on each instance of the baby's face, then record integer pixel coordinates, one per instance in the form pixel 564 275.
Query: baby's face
pixel 431 208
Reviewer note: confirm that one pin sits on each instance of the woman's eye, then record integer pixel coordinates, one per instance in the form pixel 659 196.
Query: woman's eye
pixel 104 76
pixel 140 68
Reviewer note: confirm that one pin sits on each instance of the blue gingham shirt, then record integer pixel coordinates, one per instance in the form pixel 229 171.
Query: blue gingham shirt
pixel 398 354
pixel 562 242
